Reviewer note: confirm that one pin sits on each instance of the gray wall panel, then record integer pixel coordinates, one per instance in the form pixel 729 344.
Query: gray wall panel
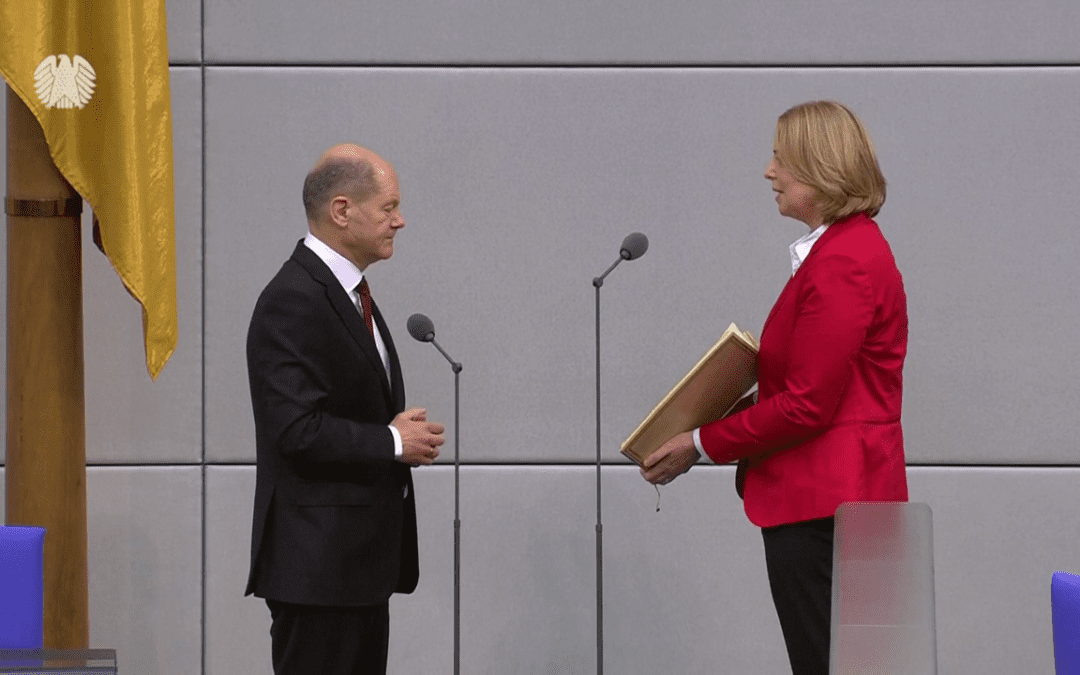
pixel 528 542
pixel 129 417
pixel 422 622
pixel 528 587
pixel 518 186
pixel 980 207
pixel 184 20
pixel 145 560
pixel 696 568
pixel 638 31
pixel 144 530
pixel 236 632
pixel 685 588
pixel 999 535
pixel 526 553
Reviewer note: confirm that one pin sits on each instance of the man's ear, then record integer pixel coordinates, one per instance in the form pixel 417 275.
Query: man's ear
pixel 339 207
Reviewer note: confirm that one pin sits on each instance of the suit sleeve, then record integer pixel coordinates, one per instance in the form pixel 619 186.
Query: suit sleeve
pixel 835 311
pixel 293 370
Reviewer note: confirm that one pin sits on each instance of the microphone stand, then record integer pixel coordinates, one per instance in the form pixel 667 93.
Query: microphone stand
pixel 424 331
pixel 456 367
pixel 597 283
pixel 633 247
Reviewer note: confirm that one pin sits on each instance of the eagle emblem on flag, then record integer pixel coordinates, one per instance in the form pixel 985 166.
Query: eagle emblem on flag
pixel 64 82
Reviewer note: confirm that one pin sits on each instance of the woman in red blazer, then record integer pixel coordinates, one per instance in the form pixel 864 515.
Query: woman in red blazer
pixel 825 427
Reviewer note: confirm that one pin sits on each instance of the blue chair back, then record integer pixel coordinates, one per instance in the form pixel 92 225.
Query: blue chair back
pixel 22 587
pixel 1065 606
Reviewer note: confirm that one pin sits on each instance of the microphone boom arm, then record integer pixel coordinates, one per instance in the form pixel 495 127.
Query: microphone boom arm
pixel 453 364
pixel 599 281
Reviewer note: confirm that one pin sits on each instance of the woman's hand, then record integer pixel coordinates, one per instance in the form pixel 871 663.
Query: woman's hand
pixel 670 460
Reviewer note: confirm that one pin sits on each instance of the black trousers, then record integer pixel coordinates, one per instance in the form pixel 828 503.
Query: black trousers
pixel 799 558
pixel 308 640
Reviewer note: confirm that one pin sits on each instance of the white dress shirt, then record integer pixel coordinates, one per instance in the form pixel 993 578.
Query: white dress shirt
pixel 349 276
pixel 801 247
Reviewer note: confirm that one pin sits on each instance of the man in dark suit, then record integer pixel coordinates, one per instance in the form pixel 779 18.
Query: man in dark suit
pixel 334 522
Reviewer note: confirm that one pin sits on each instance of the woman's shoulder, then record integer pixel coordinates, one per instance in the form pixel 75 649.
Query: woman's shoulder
pixel 856 236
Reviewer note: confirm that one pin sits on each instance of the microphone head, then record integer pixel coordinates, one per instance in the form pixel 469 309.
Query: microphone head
pixel 421 328
pixel 634 246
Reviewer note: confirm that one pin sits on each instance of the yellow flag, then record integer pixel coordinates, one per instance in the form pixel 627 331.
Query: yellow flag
pixel 96 76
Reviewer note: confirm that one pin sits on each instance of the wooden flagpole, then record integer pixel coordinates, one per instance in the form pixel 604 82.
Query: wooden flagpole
pixel 46 427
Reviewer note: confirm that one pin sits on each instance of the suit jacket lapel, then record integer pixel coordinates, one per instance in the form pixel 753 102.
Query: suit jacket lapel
pixel 776 305
pixel 348 313
pixel 396 385
pixel 789 287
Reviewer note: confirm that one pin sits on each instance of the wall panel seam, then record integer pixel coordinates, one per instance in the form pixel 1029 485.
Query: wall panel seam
pixel 615 65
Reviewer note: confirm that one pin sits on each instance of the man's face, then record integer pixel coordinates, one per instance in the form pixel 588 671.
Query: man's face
pixel 372 223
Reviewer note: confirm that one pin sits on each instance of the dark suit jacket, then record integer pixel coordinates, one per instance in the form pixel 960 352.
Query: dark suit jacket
pixel 826 428
pixel 334 521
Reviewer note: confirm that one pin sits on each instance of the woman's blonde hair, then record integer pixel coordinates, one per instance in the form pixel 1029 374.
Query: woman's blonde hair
pixel 823 145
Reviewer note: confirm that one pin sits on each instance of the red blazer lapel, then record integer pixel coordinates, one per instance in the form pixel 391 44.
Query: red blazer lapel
pixel 823 242
pixel 780 301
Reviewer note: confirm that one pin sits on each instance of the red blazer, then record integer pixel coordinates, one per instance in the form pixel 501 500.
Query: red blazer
pixel 826 428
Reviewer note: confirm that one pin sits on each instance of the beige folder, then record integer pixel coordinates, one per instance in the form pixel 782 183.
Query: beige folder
pixel 705 394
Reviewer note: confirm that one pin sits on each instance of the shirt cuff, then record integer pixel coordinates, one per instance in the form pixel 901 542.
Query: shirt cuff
pixel 397 441
pixel 697 444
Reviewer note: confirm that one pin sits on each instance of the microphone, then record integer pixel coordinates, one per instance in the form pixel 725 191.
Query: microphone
pixel 421 328
pixel 634 246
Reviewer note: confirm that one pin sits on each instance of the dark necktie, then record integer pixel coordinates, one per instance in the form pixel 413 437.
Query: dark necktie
pixel 365 305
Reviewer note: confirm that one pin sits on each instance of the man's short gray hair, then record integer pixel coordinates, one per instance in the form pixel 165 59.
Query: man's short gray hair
pixel 355 178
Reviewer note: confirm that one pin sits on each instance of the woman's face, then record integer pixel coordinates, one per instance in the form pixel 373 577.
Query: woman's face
pixel 796 200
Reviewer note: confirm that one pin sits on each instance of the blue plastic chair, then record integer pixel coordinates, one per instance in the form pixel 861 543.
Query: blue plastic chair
pixel 22 587
pixel 1065 605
